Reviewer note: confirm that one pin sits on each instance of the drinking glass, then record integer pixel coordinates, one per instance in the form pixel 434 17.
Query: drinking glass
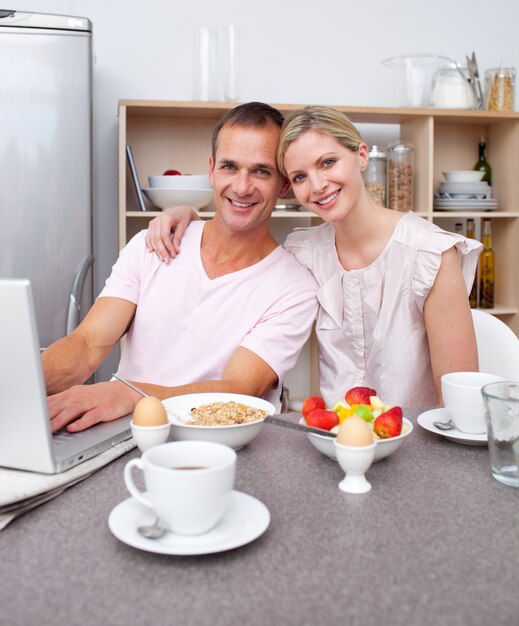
pixel 231 63
pixel 502 414
pixel 206 74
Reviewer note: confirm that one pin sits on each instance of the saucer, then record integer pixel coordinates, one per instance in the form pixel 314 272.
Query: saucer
pixel 244 520
pixel 440 415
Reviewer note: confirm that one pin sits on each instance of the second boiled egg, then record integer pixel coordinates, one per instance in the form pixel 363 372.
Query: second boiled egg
pixel 355 431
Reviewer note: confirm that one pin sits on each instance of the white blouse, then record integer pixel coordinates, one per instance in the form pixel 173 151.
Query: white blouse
pixel 370 325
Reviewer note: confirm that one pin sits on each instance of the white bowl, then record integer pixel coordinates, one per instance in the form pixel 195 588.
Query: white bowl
pixel 235 435
pixel 463 176
pixel 180 182
pixel 167 198
pixel 384 447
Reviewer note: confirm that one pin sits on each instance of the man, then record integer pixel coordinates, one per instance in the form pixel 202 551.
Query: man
pixel 231 314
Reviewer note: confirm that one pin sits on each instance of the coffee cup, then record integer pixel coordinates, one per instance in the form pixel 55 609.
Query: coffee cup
pixel 187 483
pixel 463 400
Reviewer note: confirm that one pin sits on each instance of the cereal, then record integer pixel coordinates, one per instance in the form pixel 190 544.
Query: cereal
pixel 225 414
pixel 377 192
pixel 400 186
pixel 501 93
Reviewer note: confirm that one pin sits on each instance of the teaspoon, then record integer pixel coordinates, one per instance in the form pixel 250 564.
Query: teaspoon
pixel 444 425
pixel 130 385
pixel 153 531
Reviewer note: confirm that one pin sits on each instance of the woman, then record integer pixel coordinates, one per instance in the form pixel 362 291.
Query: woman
pixel 394 313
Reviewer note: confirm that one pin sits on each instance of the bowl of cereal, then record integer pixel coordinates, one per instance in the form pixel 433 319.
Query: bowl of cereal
pixel 229 418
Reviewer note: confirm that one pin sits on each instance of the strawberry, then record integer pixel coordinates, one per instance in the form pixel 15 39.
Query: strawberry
pixel 389 424
pixel 321 418
pixel 311 403
pixel 359 395
pixel 172 173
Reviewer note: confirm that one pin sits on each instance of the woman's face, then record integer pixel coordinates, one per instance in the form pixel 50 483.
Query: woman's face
pixel 326 177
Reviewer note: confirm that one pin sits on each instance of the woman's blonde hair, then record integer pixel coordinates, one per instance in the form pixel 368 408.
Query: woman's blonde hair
pixel 321 119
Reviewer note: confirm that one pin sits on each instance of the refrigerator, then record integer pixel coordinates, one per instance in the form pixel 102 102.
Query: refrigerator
pixel 46 206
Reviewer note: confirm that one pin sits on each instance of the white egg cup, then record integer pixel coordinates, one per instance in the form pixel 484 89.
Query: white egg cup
pixel 148 436
pixel 355 461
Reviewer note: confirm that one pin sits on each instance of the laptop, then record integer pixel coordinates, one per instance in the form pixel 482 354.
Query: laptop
pixel 26 440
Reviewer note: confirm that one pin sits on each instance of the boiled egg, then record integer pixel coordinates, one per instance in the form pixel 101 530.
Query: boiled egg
pixel 149 412
pixel 355 431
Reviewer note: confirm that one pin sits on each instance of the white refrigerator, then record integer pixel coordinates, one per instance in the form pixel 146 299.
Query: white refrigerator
pixel 46 164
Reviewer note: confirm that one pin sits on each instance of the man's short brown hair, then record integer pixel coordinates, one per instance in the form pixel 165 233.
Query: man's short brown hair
pixel 252 114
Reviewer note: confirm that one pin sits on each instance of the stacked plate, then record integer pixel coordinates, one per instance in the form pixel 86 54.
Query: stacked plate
pixel 461 196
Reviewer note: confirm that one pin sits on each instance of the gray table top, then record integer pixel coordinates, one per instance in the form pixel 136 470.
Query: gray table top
pixel 436 541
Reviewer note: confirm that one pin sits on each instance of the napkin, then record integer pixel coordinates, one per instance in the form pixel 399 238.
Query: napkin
pixel 22 491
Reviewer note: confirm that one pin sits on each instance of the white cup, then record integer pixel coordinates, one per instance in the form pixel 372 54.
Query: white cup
pixel 463 399
pixel 187 483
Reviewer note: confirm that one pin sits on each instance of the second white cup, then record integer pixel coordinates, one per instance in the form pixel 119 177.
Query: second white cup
pixel 187 483
pixel 463 399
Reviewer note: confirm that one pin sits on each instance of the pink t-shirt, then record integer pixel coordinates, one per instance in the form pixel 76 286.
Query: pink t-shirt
pixel 187 326
pixel 370 325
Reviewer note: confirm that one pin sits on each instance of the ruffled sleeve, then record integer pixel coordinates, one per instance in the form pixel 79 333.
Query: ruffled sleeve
pixel 297 244
pixel 429 256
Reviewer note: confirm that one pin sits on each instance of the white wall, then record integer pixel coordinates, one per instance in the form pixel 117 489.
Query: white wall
pixel 292 51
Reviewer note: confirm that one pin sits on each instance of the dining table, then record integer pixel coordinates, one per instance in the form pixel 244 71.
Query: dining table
pixel 435 541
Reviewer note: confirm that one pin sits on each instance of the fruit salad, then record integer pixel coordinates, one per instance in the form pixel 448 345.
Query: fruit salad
pixel 384 420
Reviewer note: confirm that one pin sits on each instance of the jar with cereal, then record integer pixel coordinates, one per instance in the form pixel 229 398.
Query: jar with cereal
pixel 500 89
pixel 375 175
pixel 400 176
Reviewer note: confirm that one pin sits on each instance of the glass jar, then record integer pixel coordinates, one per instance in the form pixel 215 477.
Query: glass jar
pixel 400 176
pixel 375 175
pixel 452 89
pixel 500 89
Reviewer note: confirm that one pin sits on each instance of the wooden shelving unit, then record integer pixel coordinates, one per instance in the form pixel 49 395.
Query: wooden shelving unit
pixel 165 134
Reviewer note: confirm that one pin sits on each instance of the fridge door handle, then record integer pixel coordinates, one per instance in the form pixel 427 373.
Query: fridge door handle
pixel 74 306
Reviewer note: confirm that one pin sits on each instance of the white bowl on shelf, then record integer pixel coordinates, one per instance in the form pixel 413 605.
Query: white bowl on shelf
pixel 194 181
pixel 463 176
pixel 167 198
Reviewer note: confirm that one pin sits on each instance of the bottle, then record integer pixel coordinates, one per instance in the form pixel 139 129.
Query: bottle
pixel 375 175
pixel 482 164
pixel 473 297
pixel 486 269
pixel 459 228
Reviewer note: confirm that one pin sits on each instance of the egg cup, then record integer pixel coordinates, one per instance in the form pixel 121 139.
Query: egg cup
pixel 148 436
pixel 355 461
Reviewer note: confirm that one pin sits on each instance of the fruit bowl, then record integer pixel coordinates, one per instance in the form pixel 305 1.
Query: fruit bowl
pixel 235 435
pixel 384 447
pixel 180 182
pixel 167 198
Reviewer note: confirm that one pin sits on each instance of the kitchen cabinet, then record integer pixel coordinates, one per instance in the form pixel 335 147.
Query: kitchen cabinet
pixel 172 134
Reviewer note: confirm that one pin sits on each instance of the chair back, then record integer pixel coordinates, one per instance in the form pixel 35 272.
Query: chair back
pixel 498 346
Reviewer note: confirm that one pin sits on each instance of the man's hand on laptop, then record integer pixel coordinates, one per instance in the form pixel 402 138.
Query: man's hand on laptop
pixel 83 406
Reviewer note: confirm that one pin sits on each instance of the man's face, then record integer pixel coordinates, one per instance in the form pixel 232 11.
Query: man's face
pixel 245 177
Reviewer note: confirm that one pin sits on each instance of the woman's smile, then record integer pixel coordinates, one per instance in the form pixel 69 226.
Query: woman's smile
pixel 328 199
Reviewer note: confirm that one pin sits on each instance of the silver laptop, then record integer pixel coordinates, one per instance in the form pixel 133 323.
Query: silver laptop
pixel 26 440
